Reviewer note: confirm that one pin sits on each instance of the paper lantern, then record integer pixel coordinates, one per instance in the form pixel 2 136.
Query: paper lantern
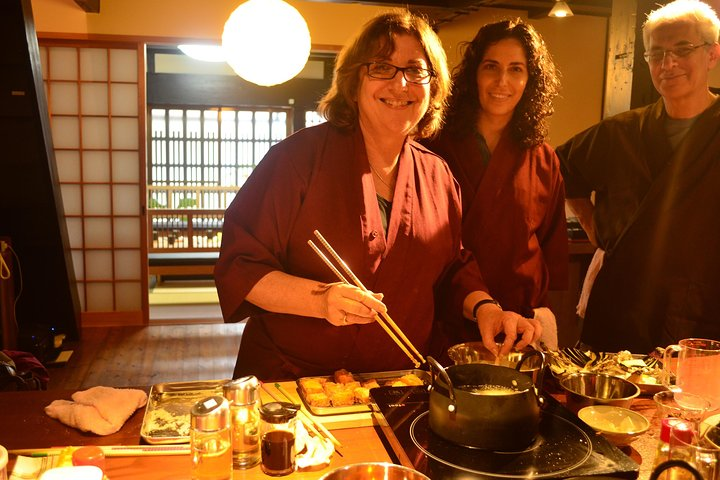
pixel 266 42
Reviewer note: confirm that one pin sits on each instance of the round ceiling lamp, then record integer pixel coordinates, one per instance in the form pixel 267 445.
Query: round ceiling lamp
pixel 266 42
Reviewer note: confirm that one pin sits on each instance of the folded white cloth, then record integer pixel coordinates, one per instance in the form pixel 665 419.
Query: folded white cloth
pixel 593 269
pixel 314 451
pixel 100 410
pixel 549 336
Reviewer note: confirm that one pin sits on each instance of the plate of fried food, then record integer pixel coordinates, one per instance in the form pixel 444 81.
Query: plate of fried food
pixel 645 371
pixel 346 392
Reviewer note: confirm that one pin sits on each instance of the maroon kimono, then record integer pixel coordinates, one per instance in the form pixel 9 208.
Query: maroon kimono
pixel 319 178
pixel 513 217
pixel 656 218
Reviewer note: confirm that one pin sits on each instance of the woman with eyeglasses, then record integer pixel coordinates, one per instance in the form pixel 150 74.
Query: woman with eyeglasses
pixel 512 191
pixel 386 204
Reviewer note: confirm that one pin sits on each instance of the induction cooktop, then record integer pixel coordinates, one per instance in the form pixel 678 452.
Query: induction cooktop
pixel 564 448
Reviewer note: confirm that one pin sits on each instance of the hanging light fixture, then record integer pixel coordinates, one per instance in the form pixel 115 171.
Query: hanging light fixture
pixel 266 42
pixel 204 53
pixel 560 9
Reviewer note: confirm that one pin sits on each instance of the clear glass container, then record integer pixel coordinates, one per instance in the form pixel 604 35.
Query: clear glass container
pixel 277 437
pixel 210 439
pixel 241 395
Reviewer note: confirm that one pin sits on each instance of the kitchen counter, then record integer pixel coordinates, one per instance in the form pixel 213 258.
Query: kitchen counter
pixel 24 425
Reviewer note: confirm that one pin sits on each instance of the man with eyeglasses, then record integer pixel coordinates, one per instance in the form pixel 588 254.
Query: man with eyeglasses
pixel 645 185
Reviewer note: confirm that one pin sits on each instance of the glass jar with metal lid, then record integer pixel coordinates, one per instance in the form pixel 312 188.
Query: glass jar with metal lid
pixel 277 437
pixel 210 440
pixel 242 396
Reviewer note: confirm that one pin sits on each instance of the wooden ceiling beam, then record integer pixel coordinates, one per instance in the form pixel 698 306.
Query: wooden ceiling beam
pixel 90 6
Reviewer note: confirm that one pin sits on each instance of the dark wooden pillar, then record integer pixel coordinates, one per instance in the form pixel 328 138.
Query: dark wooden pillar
pixel 31 210
pixel 628 81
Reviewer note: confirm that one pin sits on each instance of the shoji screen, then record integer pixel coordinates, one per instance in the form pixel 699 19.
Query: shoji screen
pixel 96 102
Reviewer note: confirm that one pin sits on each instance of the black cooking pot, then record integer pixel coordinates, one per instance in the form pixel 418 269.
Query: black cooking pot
pixel 485 406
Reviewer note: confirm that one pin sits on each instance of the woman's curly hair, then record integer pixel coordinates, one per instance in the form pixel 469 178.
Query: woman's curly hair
pixel 377 40
pixel 528 125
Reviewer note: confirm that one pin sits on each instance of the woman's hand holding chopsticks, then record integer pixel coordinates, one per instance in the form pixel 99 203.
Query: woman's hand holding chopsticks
pixel 339 303
pixel 346 304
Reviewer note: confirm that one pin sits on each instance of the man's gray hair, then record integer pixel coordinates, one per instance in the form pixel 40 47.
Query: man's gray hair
pixel 684 11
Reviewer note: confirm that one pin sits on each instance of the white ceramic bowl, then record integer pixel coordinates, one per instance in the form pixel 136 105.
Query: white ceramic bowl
pixel 84 472
pixel 617 424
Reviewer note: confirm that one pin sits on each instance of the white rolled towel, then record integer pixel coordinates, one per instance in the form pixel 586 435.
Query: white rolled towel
pixel 100 410
pixel 547 320
pixel 593 269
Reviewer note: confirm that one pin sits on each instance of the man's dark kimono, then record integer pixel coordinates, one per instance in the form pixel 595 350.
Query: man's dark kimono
pixel 656 218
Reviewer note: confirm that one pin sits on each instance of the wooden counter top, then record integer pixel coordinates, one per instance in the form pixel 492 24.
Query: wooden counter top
pixel 25 425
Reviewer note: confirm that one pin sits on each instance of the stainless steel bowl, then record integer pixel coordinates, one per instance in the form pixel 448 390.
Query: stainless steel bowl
pixel 585 389
pixel 475 352
pixel 374 471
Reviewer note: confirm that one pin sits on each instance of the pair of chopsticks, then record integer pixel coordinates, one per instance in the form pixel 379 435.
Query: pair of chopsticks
pixel 312 425
pixel 383 319
pixel 112 450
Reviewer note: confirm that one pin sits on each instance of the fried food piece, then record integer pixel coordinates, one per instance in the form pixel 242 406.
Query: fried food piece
pixel 318 399
pixel 411 379
pixel 396 383
pixel 342 397
pixel 312 385
pixel 331 387
pixel 372 383
pixel 343 376
pixel 351 385
pixel 362 394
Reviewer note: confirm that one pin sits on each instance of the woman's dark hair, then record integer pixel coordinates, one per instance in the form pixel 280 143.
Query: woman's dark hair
pixel 377 40
pixel 528 125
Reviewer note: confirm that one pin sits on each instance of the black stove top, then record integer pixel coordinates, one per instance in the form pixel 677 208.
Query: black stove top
pixel 565 447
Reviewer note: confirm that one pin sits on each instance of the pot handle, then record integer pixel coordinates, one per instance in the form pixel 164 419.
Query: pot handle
pixel 436 367
pixel 541 372
pixel 675 463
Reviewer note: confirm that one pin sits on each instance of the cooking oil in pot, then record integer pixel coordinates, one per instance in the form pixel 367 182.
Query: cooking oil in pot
pixel 489 390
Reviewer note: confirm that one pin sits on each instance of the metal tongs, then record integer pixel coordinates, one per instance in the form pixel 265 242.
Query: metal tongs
pixel 383 319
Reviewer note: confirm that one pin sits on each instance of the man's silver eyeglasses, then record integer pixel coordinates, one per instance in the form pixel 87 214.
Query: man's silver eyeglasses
pixel 386 71
pixel 658 56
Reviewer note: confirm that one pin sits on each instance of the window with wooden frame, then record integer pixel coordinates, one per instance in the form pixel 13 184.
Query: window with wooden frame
pixel 95 94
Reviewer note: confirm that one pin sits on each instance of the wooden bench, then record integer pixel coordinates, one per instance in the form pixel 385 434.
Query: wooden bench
pixel 186 264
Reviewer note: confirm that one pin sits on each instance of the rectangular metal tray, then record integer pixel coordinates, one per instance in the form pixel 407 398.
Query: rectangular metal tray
pixel 167 413
pixel 362 377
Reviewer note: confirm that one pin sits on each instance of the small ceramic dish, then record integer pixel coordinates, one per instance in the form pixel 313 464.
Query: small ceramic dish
pixel 618 425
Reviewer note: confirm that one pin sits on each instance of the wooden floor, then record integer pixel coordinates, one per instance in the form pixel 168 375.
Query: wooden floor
pixel 138 356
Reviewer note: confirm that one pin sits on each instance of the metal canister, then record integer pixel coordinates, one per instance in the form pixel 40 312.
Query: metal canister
pixel 210 439
pixel 242 395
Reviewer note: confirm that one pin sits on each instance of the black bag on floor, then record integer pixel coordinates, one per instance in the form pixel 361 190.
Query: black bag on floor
pixel 21 371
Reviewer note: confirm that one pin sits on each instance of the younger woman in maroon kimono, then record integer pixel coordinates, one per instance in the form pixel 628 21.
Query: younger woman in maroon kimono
pixel 512 191
pixel 386 204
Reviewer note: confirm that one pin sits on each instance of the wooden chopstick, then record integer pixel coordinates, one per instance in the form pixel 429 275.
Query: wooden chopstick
pixel 383 319
pixel 112 450
pixel 380 321
pixel 306 420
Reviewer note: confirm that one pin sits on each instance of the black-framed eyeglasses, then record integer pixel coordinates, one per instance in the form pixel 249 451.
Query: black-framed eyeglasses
pixel 658 56
pixel 387 71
